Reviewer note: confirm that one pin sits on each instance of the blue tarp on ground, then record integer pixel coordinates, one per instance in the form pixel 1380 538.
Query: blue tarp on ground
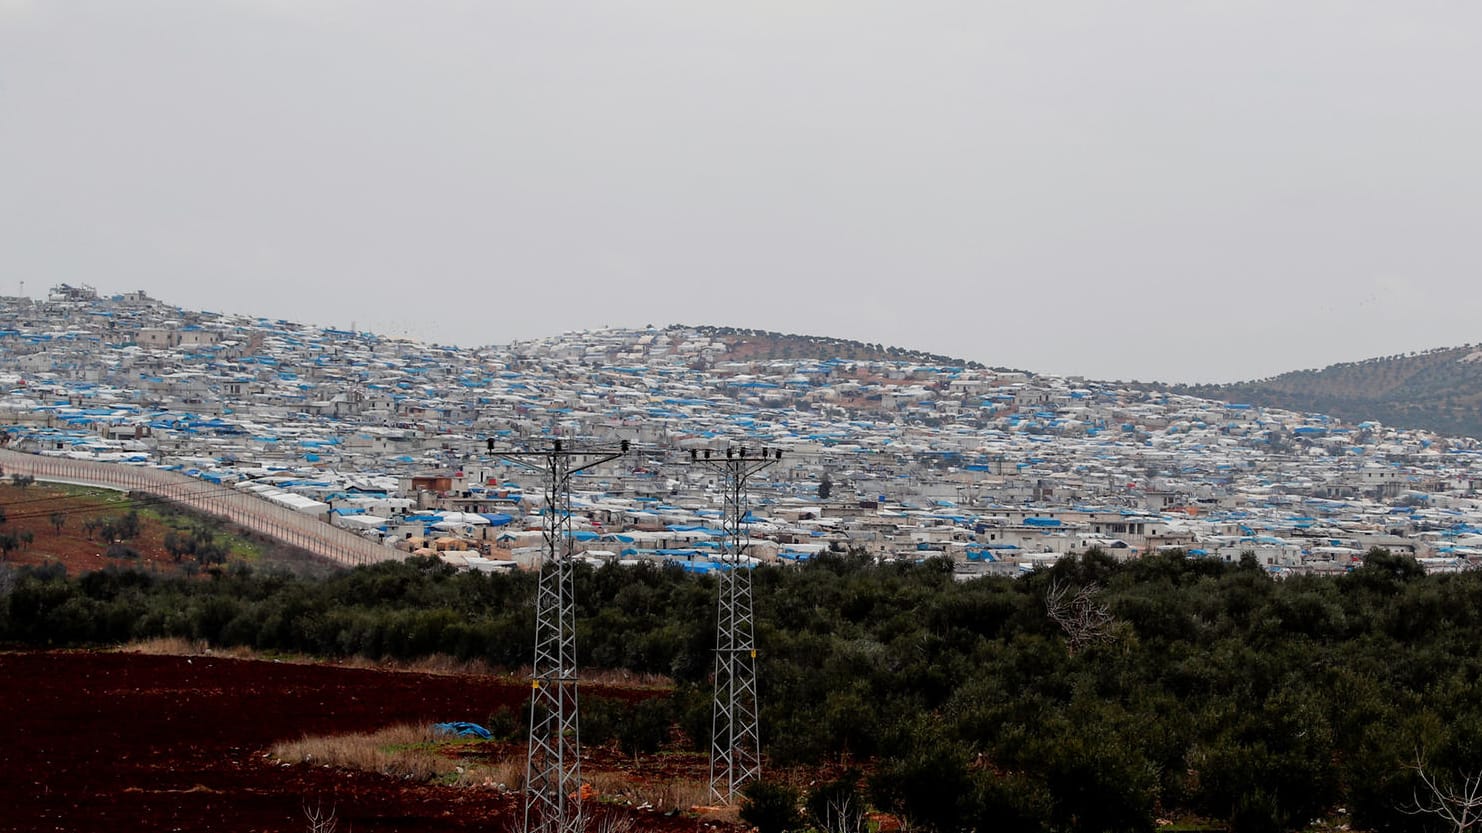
pixel 462 730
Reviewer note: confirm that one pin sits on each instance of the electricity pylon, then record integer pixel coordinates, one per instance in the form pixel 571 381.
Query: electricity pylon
pixel 553 760
pixel 735 748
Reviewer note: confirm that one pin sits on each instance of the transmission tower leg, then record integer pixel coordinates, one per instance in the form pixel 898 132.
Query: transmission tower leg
pixel 735 754
pixel 553 761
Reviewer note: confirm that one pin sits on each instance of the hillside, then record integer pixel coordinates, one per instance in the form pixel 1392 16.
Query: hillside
pixel 82 529
pixel 1438 390
pixel 761 344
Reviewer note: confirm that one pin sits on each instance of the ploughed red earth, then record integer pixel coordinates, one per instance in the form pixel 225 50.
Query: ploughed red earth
pixel 93 741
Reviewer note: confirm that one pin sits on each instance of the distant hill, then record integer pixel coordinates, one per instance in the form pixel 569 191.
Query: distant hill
pixel 1437 390
pixel 761 344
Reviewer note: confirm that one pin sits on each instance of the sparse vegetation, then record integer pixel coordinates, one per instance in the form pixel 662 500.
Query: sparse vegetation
pixel 199 542
pixel 763 344
pixel 403 751
pixel 417 753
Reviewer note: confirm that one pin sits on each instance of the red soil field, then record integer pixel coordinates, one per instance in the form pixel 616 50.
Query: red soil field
pixel 94 741
pixel 29 509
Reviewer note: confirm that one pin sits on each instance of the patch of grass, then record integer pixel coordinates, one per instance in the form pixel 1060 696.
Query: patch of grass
pixel 411 751
pixel 681 794
pixel 438 664
pixel 1190 825
pixel 239 549
pixel 71 490
pixel 415 752
pixel 508 774
pixel 176 646
pixel 614 787
pixel 623 789
pixel 404 750
pixel 173 646
pixel 622 678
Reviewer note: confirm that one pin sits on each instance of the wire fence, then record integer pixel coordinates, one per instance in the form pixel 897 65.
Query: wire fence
pixel 248 511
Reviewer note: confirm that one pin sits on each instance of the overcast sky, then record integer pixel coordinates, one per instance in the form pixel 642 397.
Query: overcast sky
pixel 1176 190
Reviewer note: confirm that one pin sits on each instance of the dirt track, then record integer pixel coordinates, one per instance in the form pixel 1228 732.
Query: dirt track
pixel 124 742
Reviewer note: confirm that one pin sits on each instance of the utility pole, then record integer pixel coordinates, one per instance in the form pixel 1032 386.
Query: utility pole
pixel 553 759
pixel 735 747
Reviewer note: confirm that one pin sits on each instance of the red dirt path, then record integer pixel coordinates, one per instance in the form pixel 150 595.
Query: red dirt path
pixel 125 742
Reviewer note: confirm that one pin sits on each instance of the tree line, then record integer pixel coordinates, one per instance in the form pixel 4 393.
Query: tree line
pixel 1092 696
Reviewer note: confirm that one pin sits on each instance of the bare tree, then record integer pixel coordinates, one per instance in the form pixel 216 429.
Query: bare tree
pixel 1456 802
pixel 842 816
pixel 1085 620
pixel 321 821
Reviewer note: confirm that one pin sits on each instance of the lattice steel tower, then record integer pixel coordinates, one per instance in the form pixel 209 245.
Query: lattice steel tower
pixel 553 760
pixel 735 748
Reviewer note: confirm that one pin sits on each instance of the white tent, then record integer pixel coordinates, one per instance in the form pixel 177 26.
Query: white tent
pixel 472 518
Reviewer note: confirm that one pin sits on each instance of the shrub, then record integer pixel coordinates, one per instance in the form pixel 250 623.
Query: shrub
pixel 770 807
pixel 644 726
pixel 507 723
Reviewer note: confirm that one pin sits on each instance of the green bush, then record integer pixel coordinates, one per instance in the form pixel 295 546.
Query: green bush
pixel 506 723
pixel 646 725
pixel 770 807
pixel 930 785
pixel 1010 804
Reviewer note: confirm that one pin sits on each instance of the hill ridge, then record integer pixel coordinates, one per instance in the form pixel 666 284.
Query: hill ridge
pixel 1438 389
pixel 766 344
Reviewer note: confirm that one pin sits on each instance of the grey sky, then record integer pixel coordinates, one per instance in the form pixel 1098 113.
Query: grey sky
pixel 1179 190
